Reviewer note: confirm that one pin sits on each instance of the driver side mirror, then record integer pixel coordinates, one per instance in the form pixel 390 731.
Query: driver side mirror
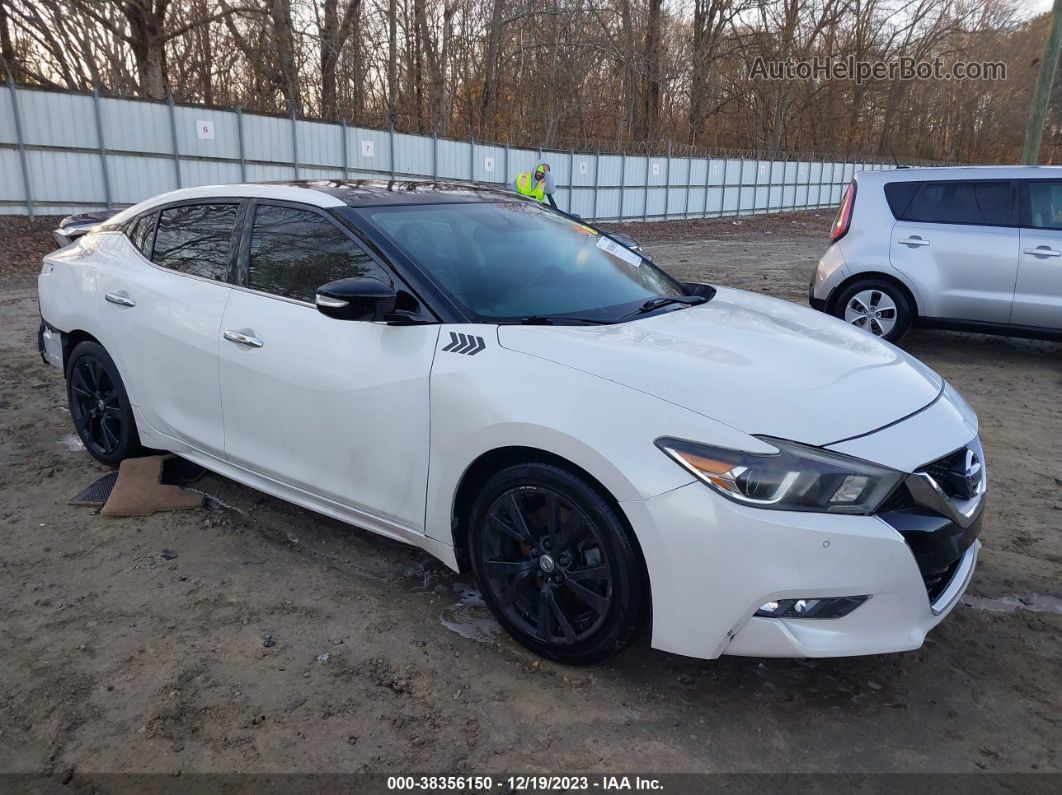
pixel 361 298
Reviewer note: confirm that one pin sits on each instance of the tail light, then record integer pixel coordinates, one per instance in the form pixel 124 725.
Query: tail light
pixel 844 214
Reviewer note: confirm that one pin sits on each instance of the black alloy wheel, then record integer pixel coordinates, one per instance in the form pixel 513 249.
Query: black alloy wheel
pixel 556 565
pixel 99 405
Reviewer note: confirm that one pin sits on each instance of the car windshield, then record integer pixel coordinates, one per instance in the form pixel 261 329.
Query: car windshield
pixel 515 261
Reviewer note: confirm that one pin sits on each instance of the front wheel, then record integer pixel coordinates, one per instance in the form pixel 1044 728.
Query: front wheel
pixel 100 406
pixel 876 306
pixel 557 566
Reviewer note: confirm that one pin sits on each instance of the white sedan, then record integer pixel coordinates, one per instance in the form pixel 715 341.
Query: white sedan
pixel 604 448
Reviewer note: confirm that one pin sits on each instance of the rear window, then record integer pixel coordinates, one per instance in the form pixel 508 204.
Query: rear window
pixel 196 239
pixel 982 203
pixel 141 232
pixel 899 195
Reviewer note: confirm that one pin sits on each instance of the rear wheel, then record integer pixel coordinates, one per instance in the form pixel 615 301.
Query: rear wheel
pixel 100 406
pixel 556 564
pixel 876 306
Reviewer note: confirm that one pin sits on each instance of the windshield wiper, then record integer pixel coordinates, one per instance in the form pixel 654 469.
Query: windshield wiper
pixel 664 300
pixel 552 320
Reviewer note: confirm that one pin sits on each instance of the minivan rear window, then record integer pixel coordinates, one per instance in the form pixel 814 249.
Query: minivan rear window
pixel 985 203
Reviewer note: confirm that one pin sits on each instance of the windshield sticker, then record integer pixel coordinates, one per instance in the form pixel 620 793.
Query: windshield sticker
pixel 616 250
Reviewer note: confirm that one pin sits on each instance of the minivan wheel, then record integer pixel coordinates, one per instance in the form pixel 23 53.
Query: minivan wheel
pixel 877 306
pixel 100 406
pixel 556 565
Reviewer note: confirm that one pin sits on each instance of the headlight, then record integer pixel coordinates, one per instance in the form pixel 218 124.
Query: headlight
pixel 795 478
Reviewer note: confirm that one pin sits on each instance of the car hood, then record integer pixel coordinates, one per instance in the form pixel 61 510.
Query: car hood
pixel 759 364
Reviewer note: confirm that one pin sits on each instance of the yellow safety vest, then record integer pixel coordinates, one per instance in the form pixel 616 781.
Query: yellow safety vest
pixel 525 183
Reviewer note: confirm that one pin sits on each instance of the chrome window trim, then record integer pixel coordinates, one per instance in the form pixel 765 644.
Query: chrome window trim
pixel 163 268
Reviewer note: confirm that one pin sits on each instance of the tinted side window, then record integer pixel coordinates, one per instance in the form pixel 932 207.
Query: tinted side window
pixel 141 232
pixel 899 195
pixel 985 203
pixel 196 239
pixel 293 252
pixel 1045 205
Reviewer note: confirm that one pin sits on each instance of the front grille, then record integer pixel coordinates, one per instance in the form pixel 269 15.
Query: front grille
pixel 944 470
pixel 935 536
pixel 937 580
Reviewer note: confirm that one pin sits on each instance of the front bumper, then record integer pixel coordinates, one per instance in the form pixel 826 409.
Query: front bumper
pixel 712 563
pixel 50 345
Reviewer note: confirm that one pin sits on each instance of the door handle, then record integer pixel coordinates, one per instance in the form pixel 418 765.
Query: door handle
pixel 914 241
pixel 244 339
pixel 1044 251
pixel 120 298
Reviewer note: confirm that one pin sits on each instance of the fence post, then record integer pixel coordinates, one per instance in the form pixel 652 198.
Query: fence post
pixel 343 143
pixel 707 182
pixel 756 184
pixel 505 174
pixel 571 178
pixel 294 145
pixel 391 147
pixel 239 138
pixel 807 190
pixel 435 156
pixel 623 182
pixel 645 196
pixel 689 184
pixel 667 181
pixel 173 135
pixel 102 148
pixel 722 192
pixel 597 166
pixel 20 144
pixel 471 157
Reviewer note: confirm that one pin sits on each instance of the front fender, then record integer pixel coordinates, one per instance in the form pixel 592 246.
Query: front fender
pixel 502 398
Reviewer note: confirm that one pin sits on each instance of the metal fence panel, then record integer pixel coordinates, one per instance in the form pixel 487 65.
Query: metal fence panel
pixel 59 120
pixel 83 152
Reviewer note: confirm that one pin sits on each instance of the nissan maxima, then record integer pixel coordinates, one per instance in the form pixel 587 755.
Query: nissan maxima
pixel 604 448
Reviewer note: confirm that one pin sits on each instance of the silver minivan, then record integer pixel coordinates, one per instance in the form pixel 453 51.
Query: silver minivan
pixel 970 249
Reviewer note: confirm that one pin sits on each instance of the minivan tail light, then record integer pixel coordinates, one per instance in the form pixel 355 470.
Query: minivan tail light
pixel 844 214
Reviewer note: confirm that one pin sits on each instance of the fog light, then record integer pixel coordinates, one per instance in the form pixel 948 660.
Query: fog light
pixel 834 607
pixel 768 608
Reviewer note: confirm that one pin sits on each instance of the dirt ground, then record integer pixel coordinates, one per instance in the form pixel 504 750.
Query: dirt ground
pixel 117 657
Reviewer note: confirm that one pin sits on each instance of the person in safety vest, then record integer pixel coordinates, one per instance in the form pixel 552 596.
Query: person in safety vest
pixel 537 184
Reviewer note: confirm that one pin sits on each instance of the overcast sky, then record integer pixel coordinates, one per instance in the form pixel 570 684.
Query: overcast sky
pixel 1039 6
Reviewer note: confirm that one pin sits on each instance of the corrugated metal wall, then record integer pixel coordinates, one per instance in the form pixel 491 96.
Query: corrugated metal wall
pixel 62 153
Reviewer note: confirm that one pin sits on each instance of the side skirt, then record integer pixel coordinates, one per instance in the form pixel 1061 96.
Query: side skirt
pixel 999 329
pixel 362 519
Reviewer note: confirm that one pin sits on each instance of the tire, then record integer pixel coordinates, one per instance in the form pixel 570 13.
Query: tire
pixel 545 542
pixel 99 405
pixel 877 306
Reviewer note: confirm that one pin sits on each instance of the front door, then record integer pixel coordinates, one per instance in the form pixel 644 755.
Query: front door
pixel 335 408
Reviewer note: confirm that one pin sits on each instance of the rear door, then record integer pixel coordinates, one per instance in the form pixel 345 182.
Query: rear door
pixel 162 302
pixel 335 408
pixel 1038 292
pixel 958 242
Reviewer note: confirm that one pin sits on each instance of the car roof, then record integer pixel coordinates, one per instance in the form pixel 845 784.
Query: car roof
pixel 375 192
pixel 348 192
pixel 959 172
